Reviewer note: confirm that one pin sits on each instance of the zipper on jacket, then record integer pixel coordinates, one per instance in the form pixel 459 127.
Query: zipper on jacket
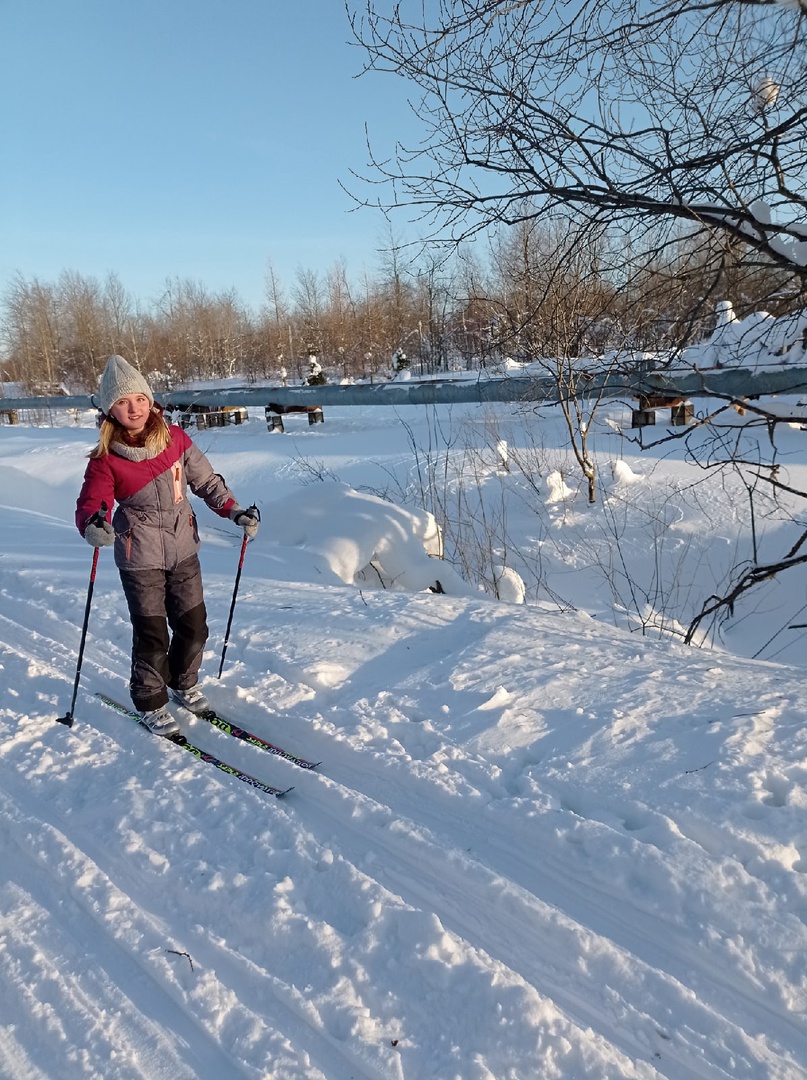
pixel 176 472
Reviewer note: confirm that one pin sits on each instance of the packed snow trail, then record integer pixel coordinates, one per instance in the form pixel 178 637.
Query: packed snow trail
pixel 400 825
pixel 91 864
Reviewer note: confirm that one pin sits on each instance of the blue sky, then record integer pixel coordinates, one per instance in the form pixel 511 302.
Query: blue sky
pixel 202 140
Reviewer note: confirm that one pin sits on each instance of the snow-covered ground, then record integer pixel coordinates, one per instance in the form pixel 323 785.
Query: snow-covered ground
pixel 545 840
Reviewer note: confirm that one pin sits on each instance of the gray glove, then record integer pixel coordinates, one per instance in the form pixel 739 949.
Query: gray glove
pixel 98 532
pixel 248 519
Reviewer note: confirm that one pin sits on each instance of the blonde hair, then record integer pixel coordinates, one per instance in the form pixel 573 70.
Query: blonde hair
pixel 155 436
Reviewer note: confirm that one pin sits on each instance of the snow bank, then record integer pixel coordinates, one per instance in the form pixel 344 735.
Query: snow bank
pixel 359 539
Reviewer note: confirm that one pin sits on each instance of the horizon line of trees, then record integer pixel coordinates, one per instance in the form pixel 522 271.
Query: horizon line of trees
pixel 544 290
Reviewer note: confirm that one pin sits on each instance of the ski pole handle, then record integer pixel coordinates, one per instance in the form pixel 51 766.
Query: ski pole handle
pixel 235 591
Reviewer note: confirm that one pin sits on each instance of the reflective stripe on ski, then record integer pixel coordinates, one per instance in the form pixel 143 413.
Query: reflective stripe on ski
pixel 222 724
pixel 181 741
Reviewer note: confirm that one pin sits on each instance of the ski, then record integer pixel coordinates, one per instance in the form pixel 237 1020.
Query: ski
pixel 184 744
pixel 222 724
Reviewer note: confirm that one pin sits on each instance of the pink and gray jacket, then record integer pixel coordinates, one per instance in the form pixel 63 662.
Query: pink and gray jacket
pixel 155 527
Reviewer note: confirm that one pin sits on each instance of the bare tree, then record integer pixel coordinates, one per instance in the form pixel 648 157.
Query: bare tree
pixel 275 331
pixel 82 318
pixel 434 305
pixel 658 120
pixel 309 298
pixel 32 330
pixel 340 320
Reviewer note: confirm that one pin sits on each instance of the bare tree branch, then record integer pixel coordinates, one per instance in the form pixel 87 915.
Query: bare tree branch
pixel 694 114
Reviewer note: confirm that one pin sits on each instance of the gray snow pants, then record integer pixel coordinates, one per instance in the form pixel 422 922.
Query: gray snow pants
pixel 159 599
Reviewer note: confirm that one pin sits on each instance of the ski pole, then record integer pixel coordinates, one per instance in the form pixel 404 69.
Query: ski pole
pixel 235 591
pixel 68 717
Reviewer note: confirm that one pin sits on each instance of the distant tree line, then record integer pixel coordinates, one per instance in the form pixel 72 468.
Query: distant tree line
pixel 541 290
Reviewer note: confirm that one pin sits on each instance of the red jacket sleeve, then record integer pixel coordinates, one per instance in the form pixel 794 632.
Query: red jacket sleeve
pixel 98 487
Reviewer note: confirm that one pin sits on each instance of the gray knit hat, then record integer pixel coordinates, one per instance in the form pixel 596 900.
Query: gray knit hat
pixel 120 379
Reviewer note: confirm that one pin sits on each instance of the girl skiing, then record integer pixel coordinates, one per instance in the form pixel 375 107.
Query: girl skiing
pixel 146 466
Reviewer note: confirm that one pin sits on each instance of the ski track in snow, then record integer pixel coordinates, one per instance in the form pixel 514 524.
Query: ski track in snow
pixel 91 862
pixel 371 834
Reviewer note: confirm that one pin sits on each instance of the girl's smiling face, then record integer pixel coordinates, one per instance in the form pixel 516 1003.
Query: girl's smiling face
pixel 131 412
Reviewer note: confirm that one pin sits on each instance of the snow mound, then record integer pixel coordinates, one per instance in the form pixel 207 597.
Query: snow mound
pixel 623 473
pixel 509 585
pixel 558 488
pixel 363 540
pixel 756 341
